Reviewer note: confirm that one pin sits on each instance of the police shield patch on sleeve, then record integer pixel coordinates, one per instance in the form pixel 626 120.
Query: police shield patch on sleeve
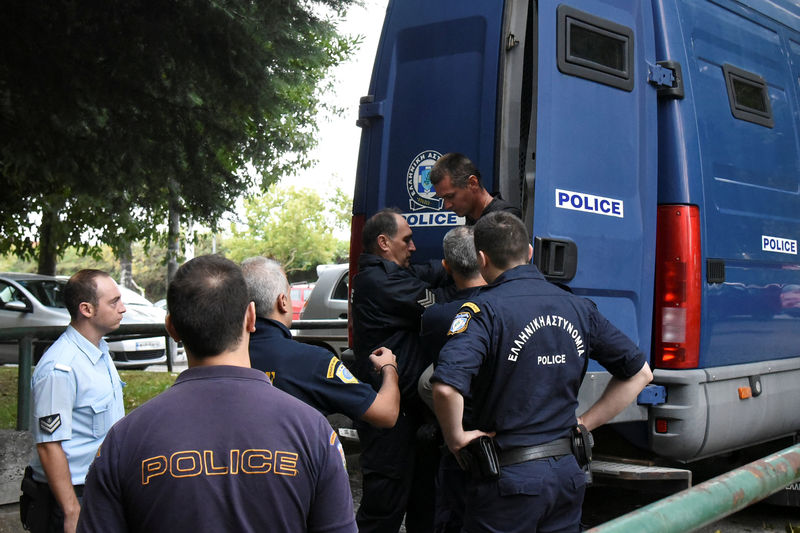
pixel 460 323
pixel 50 423
pixel 344 375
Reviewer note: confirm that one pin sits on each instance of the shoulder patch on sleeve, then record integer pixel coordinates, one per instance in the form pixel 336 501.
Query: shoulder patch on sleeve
pixel 471 306
pixel 332 366
pixel 50 423
pixel 428 299
pixel 460 323
pixel 62 367
pixel 334 441
pixel 344 374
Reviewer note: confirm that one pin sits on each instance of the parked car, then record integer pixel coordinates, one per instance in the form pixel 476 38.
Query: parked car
pixel 35 300
pixel 300 293
pixel 328 300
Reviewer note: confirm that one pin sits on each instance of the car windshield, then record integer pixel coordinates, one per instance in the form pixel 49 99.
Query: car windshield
pixel 48 292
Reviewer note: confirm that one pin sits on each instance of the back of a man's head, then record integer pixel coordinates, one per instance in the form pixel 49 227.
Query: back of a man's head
pixel 459 252
pixel 266 281
pixel 503 238
pixel 458 166
pixel 81 287
pixel 207 301
pixel 384 222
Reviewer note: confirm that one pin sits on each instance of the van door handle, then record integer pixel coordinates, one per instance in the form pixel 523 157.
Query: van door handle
pixel 556 259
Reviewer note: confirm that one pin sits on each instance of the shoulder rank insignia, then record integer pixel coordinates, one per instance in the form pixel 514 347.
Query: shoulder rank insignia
pixel 428 299
pixel 50 423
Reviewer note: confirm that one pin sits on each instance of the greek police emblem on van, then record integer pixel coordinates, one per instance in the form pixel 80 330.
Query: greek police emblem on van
pixel 589 203
pixel 460 323
pixel 418 182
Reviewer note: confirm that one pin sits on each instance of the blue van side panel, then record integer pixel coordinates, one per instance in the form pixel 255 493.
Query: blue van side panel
pixel 745 177
pixel 435 89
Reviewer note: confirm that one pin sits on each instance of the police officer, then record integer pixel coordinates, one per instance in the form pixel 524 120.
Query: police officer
pixel 311 373
pixel 521 348
pixel 77 397
pixel 222 449
pixel 457 181
pixel 388 298
pixel 461 262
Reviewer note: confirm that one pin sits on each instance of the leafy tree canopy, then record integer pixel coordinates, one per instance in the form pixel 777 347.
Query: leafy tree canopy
pixel 104 105
pixel 293 226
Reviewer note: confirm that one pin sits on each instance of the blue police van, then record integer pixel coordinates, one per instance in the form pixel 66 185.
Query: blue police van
pixel 653 147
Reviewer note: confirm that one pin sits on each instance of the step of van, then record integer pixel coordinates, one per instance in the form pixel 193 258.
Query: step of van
pixel 624 473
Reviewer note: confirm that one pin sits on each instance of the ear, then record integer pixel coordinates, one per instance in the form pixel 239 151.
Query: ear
pixel 472 183
pixel 282 304
pixel 86 309
pixel 171 329
pixel 250 317
pixel 483 260
pixel 383 242
pixel 447 267
pixel 530 253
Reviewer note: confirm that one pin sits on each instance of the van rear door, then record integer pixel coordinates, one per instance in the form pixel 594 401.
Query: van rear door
pixel 594 189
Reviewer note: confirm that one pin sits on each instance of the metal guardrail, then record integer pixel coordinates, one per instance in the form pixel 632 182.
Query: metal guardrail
pixel 27 335
pixel 713 499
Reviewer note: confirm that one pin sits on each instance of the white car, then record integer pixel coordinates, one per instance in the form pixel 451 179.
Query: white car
pixel 35 300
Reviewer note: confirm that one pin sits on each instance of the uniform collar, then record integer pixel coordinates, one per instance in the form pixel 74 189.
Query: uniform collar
pixel 519 272
pixel 92 352
pixel 369 260
pixel 268 325
pixel 220 371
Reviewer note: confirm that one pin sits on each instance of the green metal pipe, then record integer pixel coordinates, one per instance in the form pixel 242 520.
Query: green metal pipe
pixel 24 383
pixel 714 499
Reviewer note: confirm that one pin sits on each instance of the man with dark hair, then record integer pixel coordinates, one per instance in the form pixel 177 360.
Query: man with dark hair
pixel 388 298
pixel 221 450
pixel 311 373
pixel 77 396
pixel 521 348
pixel 457 181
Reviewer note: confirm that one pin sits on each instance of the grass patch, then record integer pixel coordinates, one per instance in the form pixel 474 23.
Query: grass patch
pixel 141 387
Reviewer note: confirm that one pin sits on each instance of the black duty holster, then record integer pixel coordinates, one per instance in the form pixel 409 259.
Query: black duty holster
pixel 479 458
pixel 582 443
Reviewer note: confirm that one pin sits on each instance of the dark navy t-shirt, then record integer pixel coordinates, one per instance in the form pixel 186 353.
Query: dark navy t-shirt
pixel 221 450
pixel 521 347
pixel 309 373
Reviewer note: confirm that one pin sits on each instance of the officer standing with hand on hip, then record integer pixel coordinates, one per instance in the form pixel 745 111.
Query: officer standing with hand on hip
pixel 521 348
pixel 77 397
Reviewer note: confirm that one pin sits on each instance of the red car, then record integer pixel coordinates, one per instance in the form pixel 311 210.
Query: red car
pixel 300 294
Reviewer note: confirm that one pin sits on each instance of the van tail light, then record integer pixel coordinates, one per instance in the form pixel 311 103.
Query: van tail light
pixel 356 229
pixel 678 287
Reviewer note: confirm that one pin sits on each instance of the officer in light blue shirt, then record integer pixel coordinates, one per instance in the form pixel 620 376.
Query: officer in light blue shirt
pixel 77 397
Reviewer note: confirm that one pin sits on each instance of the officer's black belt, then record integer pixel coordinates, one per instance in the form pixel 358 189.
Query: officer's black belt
pixel 555 448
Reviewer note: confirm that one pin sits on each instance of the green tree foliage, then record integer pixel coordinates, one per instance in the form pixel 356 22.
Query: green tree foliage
pixel 293 226
pixel 102 104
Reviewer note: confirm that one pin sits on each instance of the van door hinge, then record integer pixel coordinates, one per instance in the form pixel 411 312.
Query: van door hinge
pixel 667 78
pixel 368 109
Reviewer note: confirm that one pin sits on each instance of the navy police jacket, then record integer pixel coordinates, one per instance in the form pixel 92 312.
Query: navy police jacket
pixel 521 346
pixel 387 303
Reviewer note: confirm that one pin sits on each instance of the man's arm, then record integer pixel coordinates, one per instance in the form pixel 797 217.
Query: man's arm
pixel 619 393
pixel 448 404
pixel 384 410
pixel 56 468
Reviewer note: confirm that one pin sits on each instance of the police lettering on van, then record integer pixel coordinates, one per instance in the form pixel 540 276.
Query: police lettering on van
pixel 589 203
